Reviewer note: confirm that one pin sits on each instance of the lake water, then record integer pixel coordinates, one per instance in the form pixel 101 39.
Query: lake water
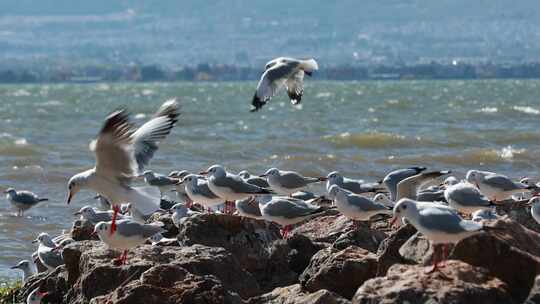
pixel 362 129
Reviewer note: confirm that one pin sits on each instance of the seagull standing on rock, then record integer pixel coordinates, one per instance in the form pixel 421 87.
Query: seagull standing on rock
pixel 23 200
pixel 354 206
pixel 47 254
pixel 230 187
pixel 355 186
pixel 162 182
pixel 440 224
pixel 128 235
pixel 496 187
pixel 288 182
pixel 122 151
pixel 198 191
pixel 466 198
pixel 283 72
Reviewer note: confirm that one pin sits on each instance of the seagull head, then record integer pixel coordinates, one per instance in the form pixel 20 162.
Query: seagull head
pixel 334 177
pixel 86 212
pixel 450 181
pixel 102 229
pixel 22 265
pixel 381 198
pixel 44 239
pixel 215 170
pixel 244 174
pixel 75 183
pixel 190 179
pixel 271 172
pixel 10 191
pixel 404 208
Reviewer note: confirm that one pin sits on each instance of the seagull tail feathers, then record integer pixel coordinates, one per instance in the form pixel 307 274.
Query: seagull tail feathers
pixel 145 199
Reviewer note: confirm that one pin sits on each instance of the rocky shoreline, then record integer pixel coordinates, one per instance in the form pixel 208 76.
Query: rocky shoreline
pixel 221 258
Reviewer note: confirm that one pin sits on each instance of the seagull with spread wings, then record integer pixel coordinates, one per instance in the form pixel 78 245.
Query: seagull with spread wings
pixel 283 72
pixel 122 151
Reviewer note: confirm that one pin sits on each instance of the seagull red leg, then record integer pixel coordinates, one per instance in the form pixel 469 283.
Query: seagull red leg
pixel 116 209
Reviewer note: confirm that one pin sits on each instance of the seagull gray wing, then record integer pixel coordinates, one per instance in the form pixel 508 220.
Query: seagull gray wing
pixel 102 217
pixel 237 184
pixel 26 198
pixel 295 87
pixel 293 180
pixel 129 228
pixel 502 182
pixel 203 190
pixel 257 181
pixel 51 258
pixel 162 180
pixel 446 221
pixel 147 137
pixel 289 208
pixel 249 206
pixel 272 80
pixel 365 204
pixel 467 195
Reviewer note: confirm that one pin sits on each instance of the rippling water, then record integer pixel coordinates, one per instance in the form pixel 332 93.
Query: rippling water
pixel 360 128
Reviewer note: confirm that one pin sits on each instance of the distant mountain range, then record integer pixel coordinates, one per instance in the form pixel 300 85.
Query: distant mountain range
pixel 248 33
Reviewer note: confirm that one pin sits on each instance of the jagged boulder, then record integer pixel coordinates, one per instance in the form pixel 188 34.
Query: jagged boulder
pixel 417 249
pixel 459 283
pixel 388 252
pixel 295 295
pixel 340 271
pixel 508 251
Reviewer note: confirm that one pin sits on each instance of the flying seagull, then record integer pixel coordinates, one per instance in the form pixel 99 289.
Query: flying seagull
pixel 122 151
pixel 283 72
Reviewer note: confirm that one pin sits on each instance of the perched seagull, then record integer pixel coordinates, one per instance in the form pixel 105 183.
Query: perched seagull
pixel 27 268
pixel 496 187
pixel 355 186
pixel 254 179
pixel 94 216
pixel 286 211
pixel 434 195
pixel 409 187
pixel 440 224
pixel 230 187
pixel 288 182
pixel 484 215
pixel 198 191
pixel 122 151
pixel 466 198
pixel 392 179
pixel 129 234
pixel 138 216
pixel 103 202
pixel 47 254
pixel 283 72
pixel 449 181
pixel 249 207
pixel 535 208
pixel 181 211
pixel 36 296
pixel 23 200
pixel 354 206
pixel 163 182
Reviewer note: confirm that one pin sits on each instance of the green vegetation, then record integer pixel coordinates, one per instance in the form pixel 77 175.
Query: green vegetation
pixel 9 291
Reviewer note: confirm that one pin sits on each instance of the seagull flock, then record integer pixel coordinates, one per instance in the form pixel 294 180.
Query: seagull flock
pixel 445 210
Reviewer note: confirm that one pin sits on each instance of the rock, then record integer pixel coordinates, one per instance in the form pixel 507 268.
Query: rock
pixel 460 283
pixel 339 271
pixel 388 252
pixel 95 274
pixel 517 211
pixel 55 282
pixel 326 228
pixel 250 241
pixel 166 219
pixel 82 230
pixel 365 238
pixel 534 294
pixel 301 250
pixel 417 250
pixel 171 283
pixel 295 295
pixel 508 251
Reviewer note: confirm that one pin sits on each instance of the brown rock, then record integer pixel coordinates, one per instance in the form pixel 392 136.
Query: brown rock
pixel 388 252
pixel 326 228
pixel 166 219
pixel 82 231
pixel 300 251
pixel 95 274
pixel 339 271
pixel 417 250
pixel 295 295
pixel 365 238
pixel 508 251
pixel 250 241
pixel 459 283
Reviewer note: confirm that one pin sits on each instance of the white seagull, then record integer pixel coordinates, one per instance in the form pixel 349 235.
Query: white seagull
pixel 496 187
pixel 122 151
pixel 288 182
pixel 466 198
pixel 283 72
pixel 196 187
pixel 23 200
pixel 354 206
pixel 392 179
pixel 47 253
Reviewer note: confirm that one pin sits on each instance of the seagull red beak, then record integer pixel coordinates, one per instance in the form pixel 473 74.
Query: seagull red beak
pixel 394 222
pixel 69 197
